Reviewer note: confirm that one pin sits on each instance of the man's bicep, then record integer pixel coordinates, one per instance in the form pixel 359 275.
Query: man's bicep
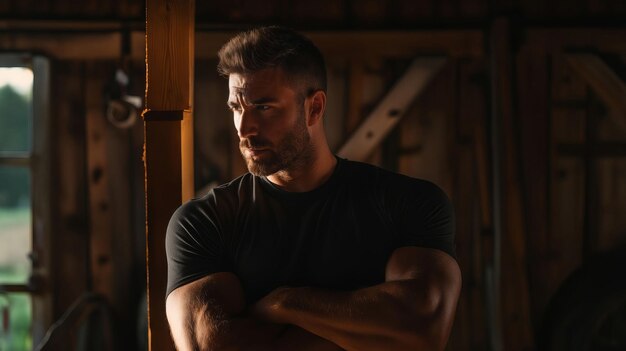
pixel 436 273
pixel 195 309
pixel 412 262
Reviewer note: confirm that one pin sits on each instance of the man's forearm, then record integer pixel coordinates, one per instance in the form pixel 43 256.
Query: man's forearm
pixel 250 334
pixel 234 334
pixel 391 315
pixel 210 314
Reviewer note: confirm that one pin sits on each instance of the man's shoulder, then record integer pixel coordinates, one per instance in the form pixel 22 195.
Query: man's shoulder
pixel 220 198
pixel 233 188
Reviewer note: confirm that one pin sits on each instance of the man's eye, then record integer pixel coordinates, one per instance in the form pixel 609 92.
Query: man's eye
pixel 262 107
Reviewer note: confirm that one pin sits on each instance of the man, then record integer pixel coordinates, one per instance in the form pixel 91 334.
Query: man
pixel 307 251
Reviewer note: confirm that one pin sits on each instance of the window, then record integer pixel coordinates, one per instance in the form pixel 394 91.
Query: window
pixel 23 201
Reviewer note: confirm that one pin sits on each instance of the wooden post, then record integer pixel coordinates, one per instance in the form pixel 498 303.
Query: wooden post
pixel 167 144
pixel 511 329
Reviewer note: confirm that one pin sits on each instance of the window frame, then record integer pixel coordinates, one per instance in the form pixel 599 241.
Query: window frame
pixel 39 164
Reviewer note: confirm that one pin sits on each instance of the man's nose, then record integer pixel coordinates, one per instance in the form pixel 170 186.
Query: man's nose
pixel 248 124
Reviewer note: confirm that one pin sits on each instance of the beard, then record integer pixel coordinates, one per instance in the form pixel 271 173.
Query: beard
pixel 293 151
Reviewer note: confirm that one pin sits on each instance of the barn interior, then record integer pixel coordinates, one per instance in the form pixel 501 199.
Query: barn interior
pixel 515 108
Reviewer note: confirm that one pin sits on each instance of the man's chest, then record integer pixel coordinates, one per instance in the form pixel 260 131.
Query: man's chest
pixel 329 247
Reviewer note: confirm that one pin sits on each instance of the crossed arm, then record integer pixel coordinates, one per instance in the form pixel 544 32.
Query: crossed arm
pixel 412 310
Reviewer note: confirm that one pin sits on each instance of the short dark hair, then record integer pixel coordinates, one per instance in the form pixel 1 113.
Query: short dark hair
pixel 275 47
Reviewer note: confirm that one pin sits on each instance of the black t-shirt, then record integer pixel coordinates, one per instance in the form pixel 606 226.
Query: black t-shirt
pixel 338 236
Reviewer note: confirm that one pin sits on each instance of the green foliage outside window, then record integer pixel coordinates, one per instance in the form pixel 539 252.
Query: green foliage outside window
pixel 15 218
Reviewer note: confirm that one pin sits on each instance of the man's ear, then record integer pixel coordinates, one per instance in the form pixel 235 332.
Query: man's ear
pixel 317 106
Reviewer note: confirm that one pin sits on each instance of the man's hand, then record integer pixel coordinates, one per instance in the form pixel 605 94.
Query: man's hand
pixel 414 309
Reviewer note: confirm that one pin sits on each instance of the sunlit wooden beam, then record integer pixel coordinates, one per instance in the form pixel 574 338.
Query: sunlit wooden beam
pixel 168 145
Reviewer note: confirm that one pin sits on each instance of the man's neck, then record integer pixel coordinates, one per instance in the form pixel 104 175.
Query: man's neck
pixel 308 177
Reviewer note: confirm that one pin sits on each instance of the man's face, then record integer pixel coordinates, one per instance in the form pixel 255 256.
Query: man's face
pixel 269 118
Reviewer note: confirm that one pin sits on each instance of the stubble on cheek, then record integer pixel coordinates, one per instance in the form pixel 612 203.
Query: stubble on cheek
pixel 292 152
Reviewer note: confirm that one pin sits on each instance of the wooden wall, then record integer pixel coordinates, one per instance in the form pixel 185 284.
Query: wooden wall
pixel 98 235
pixel 572 159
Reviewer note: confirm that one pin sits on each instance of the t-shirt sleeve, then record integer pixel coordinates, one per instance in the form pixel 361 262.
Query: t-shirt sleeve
pixel 192 244
pixel 427 218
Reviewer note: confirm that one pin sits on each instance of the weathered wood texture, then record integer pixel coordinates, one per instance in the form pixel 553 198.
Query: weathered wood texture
pixel 70 269
pixel 169 170
pixel 168 47
pixel 92 42
pixel 163 194
pixel 187 143
pixel 389 111
pixel 83 40
pixel 573 183
pixel 94 244
pixel 100 218
pixel 113 205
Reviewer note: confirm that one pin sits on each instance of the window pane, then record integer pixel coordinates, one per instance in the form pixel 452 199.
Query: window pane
pixel 15 321
pixel 15 225
pixel 16 91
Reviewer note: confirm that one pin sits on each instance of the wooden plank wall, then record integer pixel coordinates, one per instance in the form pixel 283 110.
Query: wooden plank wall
pixel 568 95
pixel 71 226
pixel 98 173
pixel 99 191
pixel 573 181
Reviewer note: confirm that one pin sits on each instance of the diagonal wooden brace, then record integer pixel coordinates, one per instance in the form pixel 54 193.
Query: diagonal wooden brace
pixel 391 109
pixel 604 82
